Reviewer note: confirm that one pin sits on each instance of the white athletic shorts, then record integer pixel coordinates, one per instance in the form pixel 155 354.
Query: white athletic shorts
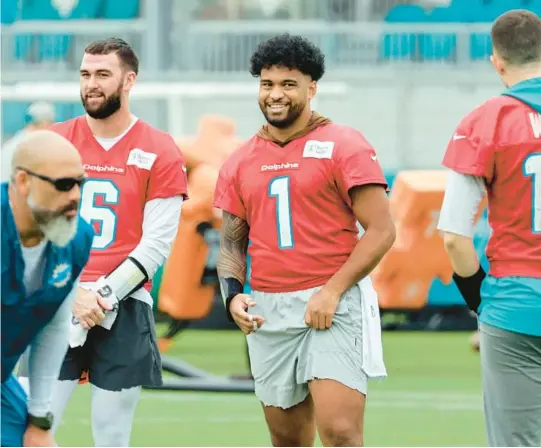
pixel 285 354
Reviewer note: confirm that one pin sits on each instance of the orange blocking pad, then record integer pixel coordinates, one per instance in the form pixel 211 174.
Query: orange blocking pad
pixel 404 276
pixel 182 295
pixel 214 141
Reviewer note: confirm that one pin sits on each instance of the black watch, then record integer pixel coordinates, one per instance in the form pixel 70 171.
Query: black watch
pixel 44 423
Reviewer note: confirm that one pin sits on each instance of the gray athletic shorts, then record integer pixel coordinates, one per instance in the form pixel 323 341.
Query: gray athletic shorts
pixel 285 354
pixel 511 365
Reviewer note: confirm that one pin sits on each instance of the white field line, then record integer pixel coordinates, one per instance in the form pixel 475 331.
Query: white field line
pixel 441 401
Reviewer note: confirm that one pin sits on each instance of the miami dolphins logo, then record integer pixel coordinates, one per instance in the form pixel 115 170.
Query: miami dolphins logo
pixel 61 275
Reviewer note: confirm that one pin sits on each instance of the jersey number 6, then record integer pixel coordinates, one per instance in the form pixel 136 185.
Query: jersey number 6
pixel 101 214
pixel 279 188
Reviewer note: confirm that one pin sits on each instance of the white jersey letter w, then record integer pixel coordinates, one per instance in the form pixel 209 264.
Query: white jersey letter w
pixel 535 120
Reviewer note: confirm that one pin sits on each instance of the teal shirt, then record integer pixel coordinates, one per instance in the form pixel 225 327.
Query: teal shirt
pixel 512 304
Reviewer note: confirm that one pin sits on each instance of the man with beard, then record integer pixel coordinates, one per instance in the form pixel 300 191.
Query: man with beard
pixel 495 150
pixel 296 191
pixel 45 245
pixel 133 195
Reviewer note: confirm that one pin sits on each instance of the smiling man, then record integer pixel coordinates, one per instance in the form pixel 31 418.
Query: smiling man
pixel 133 195
pixel 296 191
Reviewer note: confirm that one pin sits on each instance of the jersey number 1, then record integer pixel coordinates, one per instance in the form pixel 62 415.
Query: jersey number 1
pixel 279 189
pixel 532 167
pixel 101 214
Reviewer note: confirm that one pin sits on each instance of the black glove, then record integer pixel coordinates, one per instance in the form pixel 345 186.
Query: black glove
pixel 470 288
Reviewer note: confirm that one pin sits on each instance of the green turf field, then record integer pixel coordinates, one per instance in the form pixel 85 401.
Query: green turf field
pixel 431 398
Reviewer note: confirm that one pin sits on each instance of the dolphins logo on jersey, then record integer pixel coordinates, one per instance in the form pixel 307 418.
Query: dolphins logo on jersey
pixel 61 275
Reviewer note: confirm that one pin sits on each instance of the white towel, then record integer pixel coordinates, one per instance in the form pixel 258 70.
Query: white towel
pixel 373 364
pixel 78 334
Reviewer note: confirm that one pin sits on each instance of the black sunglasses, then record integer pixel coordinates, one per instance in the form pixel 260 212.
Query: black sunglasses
pixel 61 184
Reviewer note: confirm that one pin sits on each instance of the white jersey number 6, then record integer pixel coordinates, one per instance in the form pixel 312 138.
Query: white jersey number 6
pixel 102 214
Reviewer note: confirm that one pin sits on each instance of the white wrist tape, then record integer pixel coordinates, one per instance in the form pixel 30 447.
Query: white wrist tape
pixel 129 276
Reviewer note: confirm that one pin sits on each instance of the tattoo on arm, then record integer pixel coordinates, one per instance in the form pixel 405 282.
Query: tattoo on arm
pixel 233 246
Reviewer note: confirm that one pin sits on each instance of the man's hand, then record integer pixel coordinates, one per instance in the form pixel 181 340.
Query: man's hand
pixel 88 308
pixel 246 322
pixel 34 436
pixel 320 309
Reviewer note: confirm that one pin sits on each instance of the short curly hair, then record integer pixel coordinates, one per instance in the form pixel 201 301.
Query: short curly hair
pixel 293 52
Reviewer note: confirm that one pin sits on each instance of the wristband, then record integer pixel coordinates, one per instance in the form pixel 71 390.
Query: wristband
pixel 231 288
pixel 470 288
pixel 45 422
pixel 128 277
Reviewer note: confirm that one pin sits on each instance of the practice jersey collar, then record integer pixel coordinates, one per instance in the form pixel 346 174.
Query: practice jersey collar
pixel 316 121
pixel 527 91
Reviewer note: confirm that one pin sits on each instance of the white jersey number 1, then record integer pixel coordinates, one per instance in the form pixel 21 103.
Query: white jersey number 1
pixel 279 188
pixel 532 168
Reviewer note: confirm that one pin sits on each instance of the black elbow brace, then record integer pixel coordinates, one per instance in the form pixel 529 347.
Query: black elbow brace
pixel 232 287
pixel 470 288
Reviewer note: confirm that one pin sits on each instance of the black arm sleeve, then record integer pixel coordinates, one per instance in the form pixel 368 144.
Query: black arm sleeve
pixel 470 288
pixel 230 288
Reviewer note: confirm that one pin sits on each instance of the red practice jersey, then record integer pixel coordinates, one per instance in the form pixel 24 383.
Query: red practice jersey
pixel 295 200
pixel 144 164
pixel 501 142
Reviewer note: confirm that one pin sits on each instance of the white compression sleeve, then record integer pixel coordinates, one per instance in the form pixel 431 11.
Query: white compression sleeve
pixel 160 225
pixel 112 415
pixel 47 353
pixel 463 195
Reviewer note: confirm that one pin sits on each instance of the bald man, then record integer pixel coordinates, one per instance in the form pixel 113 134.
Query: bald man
pixel 45 245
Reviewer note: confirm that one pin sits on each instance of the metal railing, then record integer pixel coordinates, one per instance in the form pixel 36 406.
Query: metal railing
pixel 53 50
pixel 332 10
pixel 226 46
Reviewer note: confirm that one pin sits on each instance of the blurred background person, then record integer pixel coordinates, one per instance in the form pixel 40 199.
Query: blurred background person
pixel 40 115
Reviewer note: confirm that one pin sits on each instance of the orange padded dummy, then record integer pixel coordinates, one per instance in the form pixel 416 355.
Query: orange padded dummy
pixel 405 275
pixel 182 295
pixel 214 141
